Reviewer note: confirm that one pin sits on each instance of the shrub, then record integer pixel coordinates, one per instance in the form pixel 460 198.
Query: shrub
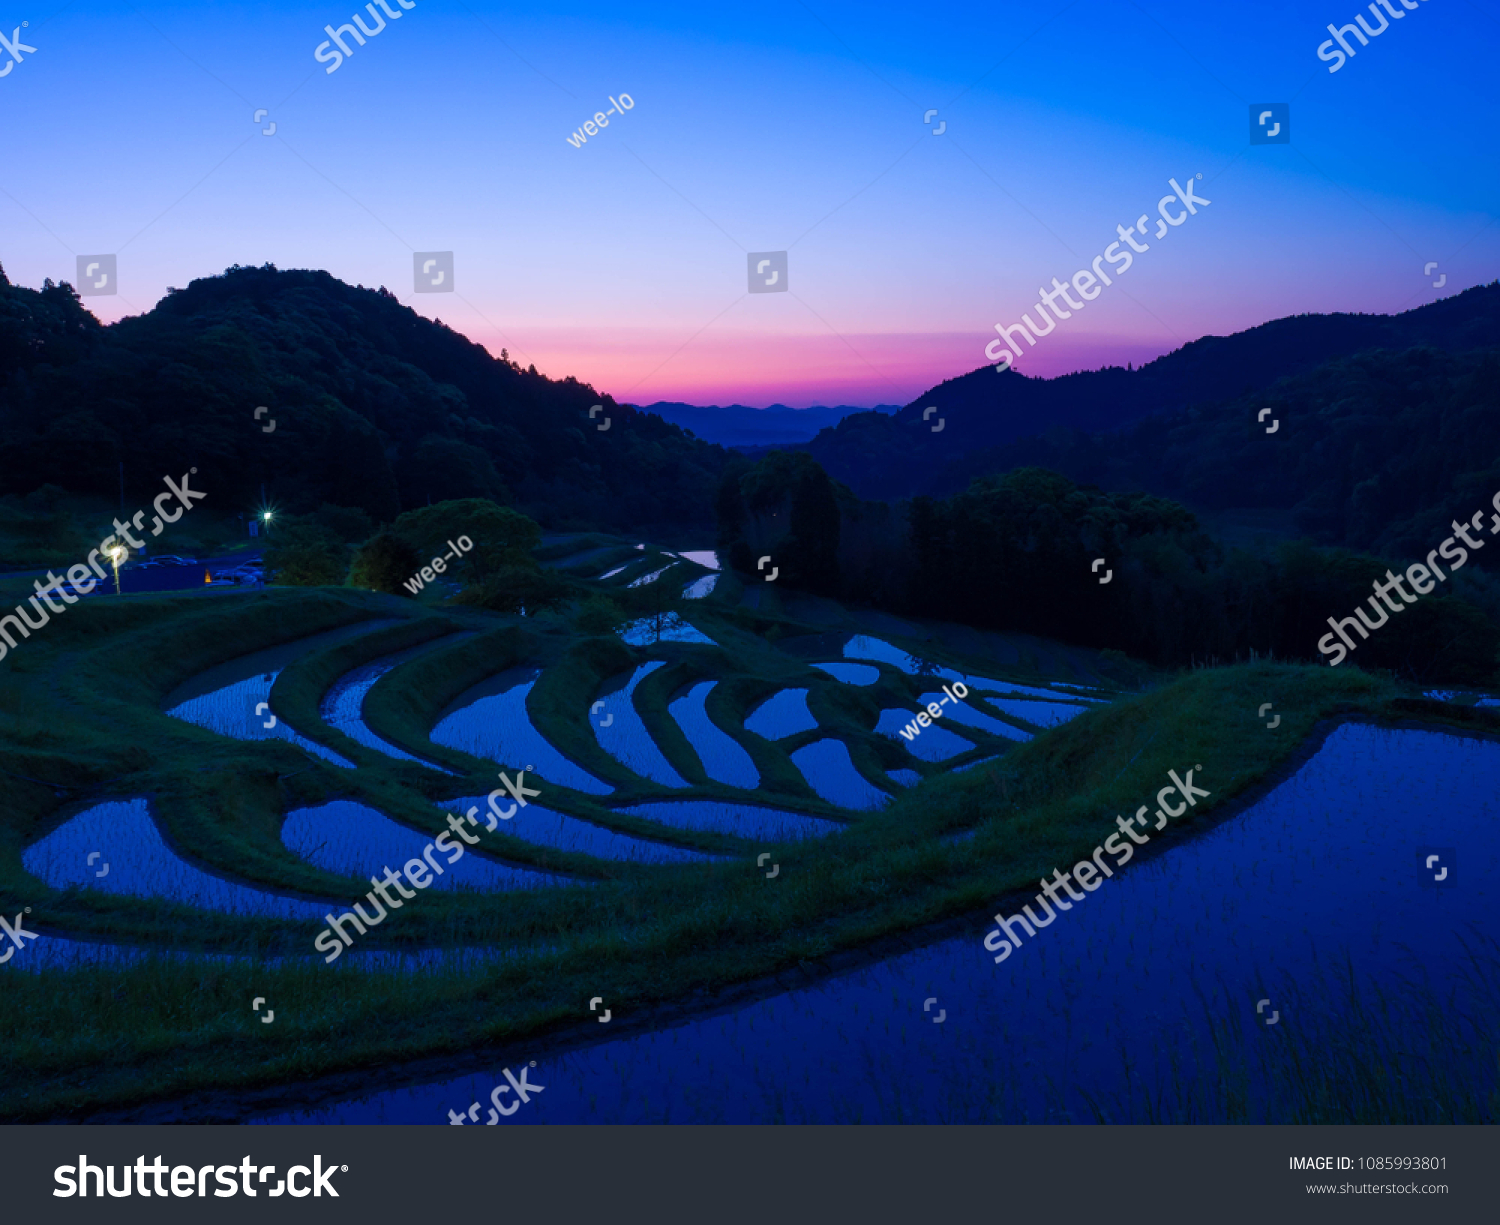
pixel 384 563
pixel 305 554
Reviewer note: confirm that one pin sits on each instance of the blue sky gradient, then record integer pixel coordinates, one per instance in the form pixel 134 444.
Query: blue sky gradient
pixel 773 126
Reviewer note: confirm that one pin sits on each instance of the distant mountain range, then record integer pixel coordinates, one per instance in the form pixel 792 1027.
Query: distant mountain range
pixel 377 408
pixel 900 455
pixel 737 425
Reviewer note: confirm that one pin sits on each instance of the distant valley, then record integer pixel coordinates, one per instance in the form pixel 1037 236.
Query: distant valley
pixel 738 425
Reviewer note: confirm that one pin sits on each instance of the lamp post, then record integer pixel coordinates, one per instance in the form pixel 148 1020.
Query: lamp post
pixel 117 554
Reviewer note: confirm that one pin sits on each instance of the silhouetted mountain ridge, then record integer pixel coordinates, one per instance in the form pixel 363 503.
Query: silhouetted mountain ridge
pixel 373 407
pixel 741 425
pixel 901 455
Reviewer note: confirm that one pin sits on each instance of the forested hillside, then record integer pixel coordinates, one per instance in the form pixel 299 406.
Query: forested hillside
pixel 900 456
pixel 1379 451
pixel 374 407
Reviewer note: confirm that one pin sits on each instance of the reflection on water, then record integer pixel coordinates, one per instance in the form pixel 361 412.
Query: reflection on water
pixel 741 820
pixel 623 735
pixel 830 772
pixel 669 628
pixel 1043 714
pixel 1107 1008
pixel 862 646
pixel 120 840
pixel 565 833
pixel 782 714
pixel 851 674
pixel 927 743
pixel 343 705
pixel 234 698
pixel 352 839
pixel 724 760
pixel 650 578
pixel 491 721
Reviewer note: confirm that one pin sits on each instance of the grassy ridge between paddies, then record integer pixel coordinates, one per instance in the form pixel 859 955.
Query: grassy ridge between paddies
pixel 167 1028
pixel 81 719
pixel 299 689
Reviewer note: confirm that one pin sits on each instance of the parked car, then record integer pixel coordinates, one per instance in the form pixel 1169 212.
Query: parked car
pixel 70 590
pixel 248 573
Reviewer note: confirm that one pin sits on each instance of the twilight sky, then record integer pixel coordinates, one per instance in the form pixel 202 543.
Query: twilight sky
pixel 774 126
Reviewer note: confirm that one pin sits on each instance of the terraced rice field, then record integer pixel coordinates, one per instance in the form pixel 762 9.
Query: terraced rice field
pixel 690 766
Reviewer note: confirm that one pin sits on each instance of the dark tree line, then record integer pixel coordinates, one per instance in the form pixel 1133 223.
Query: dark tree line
pixel 1017 553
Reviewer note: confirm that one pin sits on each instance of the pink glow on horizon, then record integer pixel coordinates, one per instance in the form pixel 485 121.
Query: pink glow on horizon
pixel 644 365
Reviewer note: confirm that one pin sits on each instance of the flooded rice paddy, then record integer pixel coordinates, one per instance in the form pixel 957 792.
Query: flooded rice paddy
pixel 1120 1010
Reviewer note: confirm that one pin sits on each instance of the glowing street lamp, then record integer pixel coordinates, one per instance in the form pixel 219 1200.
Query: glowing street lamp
pixel 117 554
